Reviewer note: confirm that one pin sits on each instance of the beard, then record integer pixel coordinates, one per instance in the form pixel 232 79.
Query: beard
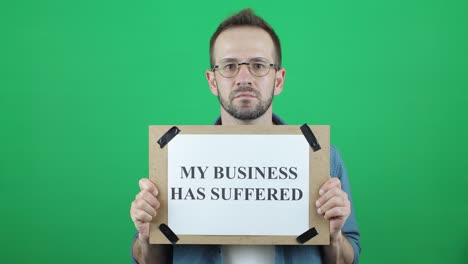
pixel 247 112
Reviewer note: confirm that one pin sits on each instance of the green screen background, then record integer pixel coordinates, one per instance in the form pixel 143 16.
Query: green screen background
pixel 81 81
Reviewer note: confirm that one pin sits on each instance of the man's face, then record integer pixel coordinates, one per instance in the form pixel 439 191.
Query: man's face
pixel 245 96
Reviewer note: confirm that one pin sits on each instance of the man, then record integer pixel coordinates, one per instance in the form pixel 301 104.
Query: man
pixel 246 73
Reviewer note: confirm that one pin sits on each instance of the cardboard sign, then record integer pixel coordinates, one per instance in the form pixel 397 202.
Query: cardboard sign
pixel 238 184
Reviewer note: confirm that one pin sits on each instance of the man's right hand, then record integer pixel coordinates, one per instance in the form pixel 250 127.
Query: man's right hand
pixel 144 208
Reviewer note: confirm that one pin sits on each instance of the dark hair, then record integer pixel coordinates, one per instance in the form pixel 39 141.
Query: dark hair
pixel 246 17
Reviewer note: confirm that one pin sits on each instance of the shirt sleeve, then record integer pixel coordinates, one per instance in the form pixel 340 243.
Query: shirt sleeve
pixel 350 228
pixel 131 248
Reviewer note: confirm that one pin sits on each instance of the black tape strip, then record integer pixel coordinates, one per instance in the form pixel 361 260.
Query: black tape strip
pixel 307 235
pixel 309 135
pixel 170 134
pixel 167 232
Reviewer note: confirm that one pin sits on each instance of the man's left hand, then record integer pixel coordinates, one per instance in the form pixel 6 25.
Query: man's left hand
pixel 334 205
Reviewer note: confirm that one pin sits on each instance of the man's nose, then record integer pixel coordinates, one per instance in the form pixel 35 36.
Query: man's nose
pixel 244 77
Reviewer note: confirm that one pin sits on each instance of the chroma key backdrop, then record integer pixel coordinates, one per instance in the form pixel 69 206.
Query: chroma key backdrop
pixel 81 81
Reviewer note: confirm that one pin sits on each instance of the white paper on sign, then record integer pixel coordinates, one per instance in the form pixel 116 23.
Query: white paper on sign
pixel 238 185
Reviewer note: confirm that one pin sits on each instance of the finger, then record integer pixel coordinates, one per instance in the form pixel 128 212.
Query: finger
pixel 145 206
pixel 331 183
pixel 329 195
pixel 140 216
pixel 337 213
pixel 149 198
pixel 335 201
pixel 146 184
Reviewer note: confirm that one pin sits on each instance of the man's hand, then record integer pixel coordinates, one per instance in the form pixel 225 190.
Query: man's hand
pixel 334 205
pixel 144 208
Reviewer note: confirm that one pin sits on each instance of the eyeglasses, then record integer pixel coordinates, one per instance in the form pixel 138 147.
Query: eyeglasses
pixel 257 66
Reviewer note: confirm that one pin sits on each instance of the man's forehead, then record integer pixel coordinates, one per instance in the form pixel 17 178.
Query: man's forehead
pixel 244 42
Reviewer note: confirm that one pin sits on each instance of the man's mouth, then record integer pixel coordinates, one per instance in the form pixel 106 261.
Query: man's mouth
pixel 245 95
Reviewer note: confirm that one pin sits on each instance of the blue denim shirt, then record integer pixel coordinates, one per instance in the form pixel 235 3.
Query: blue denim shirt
pixel 212 254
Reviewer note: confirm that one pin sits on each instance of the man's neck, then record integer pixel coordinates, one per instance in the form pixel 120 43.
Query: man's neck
pixel 265 119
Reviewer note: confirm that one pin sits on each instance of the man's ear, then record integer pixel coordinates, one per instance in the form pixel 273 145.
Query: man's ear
pixel 210 77
pixel 279 81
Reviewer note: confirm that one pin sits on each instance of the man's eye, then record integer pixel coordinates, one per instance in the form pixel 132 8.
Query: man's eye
pixel 229 67
pixel 259 66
